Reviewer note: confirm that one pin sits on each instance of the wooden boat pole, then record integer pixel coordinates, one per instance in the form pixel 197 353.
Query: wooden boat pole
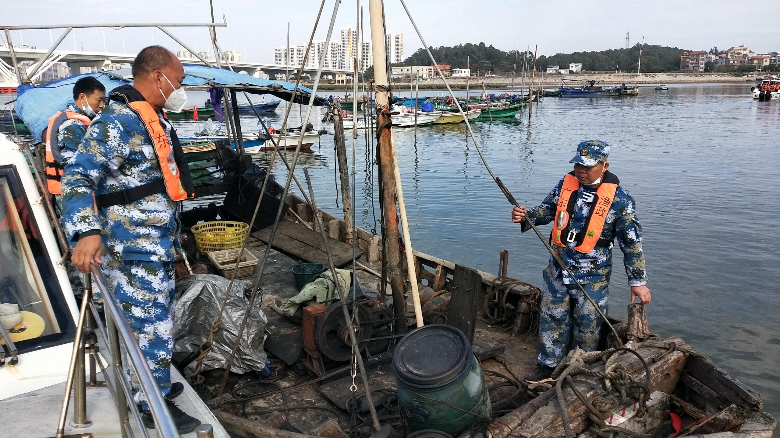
pixel 399 190
pixel 341 154
pixel 390 247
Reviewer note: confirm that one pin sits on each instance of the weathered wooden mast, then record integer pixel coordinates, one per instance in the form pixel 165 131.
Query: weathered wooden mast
pixel 391 256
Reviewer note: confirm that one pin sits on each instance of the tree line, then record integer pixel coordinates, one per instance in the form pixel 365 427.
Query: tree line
pixel 488 59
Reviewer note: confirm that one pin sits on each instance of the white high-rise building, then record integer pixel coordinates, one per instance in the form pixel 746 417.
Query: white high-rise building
pixel 395 47
pixel 280 56
pixel 349 47
pixel 331 53
pixel 367 56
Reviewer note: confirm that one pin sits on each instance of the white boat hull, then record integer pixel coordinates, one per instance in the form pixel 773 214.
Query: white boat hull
pixel 290 141
pixel 408 119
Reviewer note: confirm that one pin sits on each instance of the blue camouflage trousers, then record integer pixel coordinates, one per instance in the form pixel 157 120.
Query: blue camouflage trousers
pixel 567 319
pixel 145 291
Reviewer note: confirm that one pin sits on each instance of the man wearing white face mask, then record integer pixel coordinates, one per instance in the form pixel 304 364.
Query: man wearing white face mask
pixel 132 162
pixel 66 128
pixel 589 210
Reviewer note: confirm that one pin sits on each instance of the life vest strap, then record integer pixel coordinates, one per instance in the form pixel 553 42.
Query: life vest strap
pixel 128 196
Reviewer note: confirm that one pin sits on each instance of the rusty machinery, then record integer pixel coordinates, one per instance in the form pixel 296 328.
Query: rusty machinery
pixel 326 337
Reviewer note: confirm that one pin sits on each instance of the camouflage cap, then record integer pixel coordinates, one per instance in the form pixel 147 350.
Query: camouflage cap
pixel 591 152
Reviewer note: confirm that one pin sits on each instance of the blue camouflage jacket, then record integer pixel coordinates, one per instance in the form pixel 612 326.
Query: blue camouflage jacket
pixel 117 154
pixel 70 134
pixel 621 224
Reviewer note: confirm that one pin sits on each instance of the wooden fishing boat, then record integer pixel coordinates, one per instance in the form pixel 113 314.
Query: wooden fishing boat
pixel 203 113
pixel 658 377
pixel 589 89
pixel 495 112
pixel 347 105
pixel 403 117
pixel 448 118
pixel 261 107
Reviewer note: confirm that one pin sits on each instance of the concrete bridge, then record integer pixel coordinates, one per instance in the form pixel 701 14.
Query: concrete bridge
pixel 96 61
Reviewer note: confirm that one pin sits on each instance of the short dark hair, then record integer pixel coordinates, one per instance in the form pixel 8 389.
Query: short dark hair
pixel 87 85
pixel 150 59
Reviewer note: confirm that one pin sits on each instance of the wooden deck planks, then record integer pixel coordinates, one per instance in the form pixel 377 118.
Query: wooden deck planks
pixel 295 239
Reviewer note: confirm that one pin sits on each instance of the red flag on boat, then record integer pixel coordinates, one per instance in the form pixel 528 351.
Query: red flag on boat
pixel 195 113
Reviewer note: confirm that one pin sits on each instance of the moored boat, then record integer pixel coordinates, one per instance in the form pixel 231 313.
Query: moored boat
pixel 661 87
pixel 403 117
pixel 589 89
pixel 449 117
pixel 500 111
pixel 261 107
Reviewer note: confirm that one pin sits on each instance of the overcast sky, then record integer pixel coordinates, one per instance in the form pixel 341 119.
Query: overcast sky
pixel 556 26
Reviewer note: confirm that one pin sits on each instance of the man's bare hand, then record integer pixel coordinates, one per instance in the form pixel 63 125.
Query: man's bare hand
pixel 518 214
pixel 87 250
pixel 641 292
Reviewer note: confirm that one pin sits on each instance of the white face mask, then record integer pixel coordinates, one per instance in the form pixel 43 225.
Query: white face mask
pixel 177 99
pixel 87 109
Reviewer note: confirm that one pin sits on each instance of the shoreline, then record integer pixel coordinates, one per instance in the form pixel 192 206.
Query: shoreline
pixel 546 81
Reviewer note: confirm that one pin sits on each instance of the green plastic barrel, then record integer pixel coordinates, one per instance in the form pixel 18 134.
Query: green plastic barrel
pixel 439 381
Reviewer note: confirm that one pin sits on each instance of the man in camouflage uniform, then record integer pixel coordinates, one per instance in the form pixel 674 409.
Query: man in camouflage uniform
pixel 140 237
pixel 567 319
pixel 89 97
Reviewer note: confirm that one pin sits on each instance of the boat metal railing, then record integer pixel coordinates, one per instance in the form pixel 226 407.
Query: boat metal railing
pixel 121 343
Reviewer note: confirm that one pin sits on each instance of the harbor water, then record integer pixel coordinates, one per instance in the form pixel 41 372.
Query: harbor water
pixel 701 161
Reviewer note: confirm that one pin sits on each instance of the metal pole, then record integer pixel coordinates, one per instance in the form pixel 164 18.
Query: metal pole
pixel 342 298
pixel 13 56
pixel 416 96
pixel 116 365
pixel 72 370
pixel 237 123
pixel 186 47
pixel 112 25
pixel 53 47
pixel 391 247
pixel 79 382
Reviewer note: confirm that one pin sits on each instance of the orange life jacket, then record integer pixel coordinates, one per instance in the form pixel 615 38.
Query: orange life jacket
pixel 588 240
pixel 54 164
pixel 163 149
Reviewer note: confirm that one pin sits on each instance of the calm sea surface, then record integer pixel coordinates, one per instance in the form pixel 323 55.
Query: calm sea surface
pixel 701 161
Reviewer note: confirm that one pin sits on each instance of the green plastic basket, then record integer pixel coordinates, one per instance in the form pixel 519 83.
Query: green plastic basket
pixel 305 273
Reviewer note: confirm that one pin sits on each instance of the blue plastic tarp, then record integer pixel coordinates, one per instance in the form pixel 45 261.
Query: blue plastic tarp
pixel 35 105
pixel 199 75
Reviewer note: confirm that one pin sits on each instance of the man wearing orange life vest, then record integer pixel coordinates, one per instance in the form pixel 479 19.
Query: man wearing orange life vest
pixel 133 163
pixel 589 210
pixel 66 129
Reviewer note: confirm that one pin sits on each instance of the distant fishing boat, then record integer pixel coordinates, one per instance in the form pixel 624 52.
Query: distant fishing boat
pixel 195 113
pixel 448 118
pixel 661 87
pixel 347 105
pixel 403 117
pixel 589 89
pixel 262 107
pixel 497 112
pixel 253 144
pixel 629 90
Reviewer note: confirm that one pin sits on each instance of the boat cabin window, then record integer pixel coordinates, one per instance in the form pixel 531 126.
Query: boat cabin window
pixel 32 305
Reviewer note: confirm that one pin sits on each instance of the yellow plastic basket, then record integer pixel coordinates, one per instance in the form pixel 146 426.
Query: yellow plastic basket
pixel 219 235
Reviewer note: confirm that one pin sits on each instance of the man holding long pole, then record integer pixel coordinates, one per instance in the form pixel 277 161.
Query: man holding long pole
pixel 589 210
